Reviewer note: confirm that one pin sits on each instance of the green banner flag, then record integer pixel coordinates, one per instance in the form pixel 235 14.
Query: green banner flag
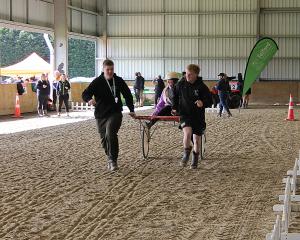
pixel 260 56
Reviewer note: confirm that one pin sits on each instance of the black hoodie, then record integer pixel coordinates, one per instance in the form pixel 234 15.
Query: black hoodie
pixel 185 96
pixel 105 101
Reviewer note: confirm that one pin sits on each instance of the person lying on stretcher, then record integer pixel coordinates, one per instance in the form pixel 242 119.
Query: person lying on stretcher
pixel 164 106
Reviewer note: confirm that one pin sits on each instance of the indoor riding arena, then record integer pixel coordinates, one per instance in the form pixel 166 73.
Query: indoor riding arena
pixel 66 175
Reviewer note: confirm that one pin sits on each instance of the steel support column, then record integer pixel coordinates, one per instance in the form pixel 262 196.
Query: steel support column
pixel 61 35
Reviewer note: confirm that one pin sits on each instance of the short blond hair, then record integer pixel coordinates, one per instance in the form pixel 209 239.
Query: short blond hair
pixel 193 68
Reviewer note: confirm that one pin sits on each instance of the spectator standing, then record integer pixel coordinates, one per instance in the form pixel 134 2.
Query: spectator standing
pixel 43 92
pixel 63 88
pixel 139 87
pixel 159 87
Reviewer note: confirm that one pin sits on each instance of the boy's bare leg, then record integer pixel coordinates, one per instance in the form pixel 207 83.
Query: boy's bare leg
pixel 187 135
pixel 195 157
pixel 196 140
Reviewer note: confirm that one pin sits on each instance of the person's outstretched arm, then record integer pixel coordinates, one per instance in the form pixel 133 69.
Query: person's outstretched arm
pixel 125 91
pixel 88 93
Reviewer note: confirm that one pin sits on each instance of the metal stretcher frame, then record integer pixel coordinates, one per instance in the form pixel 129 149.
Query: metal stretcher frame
pixel 146 133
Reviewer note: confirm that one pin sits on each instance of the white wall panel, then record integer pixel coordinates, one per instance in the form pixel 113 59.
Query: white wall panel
pixel 89 5
pixel 99 6
pixel 148 68
pixel 288 47
pixel 135 5
pixel 279 3
pixel 178 65
pixel 89 24
pixel 69 19
pixel 135 25
pixel 213 50
pixel 227 5
pixel 211 68
pixel 181 6
pixel 228 24
pixel 177 25
pixel 281 69
pixel 135 48
pixel 76 21
pixel 41 13
pixel 280 24
pixel 75 3
pixel 4 9
pixel 181 48
pixel 226 47
pixel 19 11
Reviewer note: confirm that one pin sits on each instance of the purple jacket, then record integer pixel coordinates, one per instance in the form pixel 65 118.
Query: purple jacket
pixel 162 103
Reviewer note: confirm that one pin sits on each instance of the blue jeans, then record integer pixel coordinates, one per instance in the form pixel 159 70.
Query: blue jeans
pixel 223 102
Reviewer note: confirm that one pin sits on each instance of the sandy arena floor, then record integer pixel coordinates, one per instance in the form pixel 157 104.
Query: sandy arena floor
pixel 54 183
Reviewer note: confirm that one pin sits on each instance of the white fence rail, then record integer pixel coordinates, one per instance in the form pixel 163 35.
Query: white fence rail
pixel 81 106
pixel 283 219
pixel 286 206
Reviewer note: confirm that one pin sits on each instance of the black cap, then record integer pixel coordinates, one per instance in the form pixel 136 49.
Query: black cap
pixel 222 75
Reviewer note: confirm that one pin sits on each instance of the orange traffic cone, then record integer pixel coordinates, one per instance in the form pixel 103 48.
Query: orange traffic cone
pixel 291 116
pixel 17 108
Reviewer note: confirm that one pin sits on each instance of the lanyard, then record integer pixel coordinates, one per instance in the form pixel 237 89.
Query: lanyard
pixel 113 91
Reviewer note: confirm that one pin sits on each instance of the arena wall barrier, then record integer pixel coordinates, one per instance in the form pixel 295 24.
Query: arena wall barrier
pixel 263 93
pixel 28 101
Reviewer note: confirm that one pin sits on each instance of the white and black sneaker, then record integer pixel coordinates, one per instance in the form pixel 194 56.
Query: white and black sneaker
pixel 112 166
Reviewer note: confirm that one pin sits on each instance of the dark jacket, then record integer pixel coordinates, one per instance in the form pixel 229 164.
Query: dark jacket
pixel 159 87
pixel 185 96
pixel 63 87
pixel 54 86
pixel 20 88
pixel 105 101
pixel 41 90
pixel 223 86
pixel 139 83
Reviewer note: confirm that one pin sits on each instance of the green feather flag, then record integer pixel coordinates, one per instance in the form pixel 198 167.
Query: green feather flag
pixel 261 54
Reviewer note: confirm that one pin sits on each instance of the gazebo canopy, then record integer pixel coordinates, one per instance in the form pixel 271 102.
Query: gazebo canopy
pixel 32 65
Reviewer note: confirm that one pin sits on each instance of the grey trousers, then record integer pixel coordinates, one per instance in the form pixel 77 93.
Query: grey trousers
pixel 108 129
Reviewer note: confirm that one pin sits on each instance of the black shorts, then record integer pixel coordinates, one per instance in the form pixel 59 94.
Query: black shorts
pixel 198 126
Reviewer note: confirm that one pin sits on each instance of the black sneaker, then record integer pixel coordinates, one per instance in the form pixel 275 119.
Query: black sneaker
pixel 186 157
pixel 195 160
